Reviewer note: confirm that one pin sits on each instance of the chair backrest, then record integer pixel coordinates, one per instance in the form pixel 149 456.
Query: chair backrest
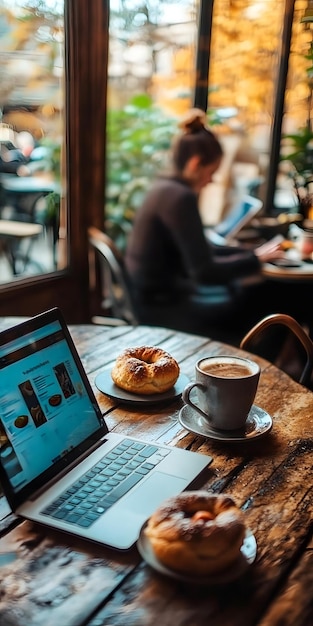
pixel 116 296
pixel 295 332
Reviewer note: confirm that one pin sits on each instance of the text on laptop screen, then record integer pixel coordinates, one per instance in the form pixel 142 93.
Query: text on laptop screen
pixel 42 399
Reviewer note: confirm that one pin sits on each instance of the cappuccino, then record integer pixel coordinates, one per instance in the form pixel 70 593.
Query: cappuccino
pixel 226 386
pixel 227 370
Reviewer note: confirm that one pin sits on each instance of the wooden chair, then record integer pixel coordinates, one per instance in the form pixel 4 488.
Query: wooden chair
pixel 116 297
pixel 288 352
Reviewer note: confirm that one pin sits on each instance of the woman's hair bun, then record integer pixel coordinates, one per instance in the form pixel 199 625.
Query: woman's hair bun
pixel 193 121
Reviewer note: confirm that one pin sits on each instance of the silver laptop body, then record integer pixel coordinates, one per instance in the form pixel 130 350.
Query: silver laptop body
pixel 53 438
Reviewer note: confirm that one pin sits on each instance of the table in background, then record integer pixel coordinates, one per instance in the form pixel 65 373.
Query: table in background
pixel 61 580
pixel 12 233
pixel 22 193
pixel 303 273
pixel 23 200
pixel 13 184
pixel 290 289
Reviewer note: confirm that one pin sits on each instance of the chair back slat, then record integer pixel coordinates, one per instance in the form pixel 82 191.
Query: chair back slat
pixel 297 331
pixel 116 294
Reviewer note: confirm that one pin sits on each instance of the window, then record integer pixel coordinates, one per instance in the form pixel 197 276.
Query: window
pixel 151 78
pixel 83 158
pixel 31 137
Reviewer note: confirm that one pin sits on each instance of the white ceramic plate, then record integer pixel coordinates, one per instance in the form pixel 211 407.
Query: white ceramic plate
pixel 258 423
pixel 106 385
pixel 246 558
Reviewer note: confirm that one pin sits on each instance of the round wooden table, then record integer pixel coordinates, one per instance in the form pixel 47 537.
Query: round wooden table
pixel 52 578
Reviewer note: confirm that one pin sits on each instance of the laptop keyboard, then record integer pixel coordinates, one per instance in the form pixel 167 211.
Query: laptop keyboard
pixel 106 482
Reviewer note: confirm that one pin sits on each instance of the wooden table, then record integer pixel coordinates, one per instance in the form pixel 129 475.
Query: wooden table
pixel 59 580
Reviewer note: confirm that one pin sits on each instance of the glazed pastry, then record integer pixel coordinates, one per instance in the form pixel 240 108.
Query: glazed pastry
pixel 145 370
pixel 197 532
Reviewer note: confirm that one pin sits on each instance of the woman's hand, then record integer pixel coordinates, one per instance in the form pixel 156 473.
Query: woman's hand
pixel 270 250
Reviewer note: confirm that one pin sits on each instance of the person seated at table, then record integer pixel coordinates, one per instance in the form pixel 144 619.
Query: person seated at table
pixel 12 160
pixel 168 258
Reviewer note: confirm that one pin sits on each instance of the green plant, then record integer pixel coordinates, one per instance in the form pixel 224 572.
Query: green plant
pixel 301 160
pixel 138 138
pixel 138 141
pixel 52 164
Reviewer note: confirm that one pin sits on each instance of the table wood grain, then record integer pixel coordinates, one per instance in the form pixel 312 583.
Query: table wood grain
pixel 55 579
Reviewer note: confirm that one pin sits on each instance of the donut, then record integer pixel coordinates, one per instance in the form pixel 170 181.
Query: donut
pixel 197 533
pixel 145 370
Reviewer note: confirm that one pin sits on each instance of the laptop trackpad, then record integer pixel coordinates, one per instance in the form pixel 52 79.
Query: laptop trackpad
pixel 152 492
pixel 122 523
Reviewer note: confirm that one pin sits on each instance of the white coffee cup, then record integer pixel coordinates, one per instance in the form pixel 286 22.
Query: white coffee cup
pixel 226 387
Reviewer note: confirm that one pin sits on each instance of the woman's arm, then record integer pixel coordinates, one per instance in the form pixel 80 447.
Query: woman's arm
pixel 201 261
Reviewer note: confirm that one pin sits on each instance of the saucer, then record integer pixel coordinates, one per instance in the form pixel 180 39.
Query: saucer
pixel 258 423
pixel 105 384
pixel 246 557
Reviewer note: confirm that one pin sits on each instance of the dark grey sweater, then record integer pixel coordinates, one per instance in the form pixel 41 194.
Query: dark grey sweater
pixel 167 248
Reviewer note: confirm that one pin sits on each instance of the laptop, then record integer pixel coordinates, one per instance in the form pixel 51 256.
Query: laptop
pixel 59 464
pixel 237 218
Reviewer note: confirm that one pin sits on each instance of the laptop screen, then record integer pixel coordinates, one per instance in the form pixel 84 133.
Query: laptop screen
pixel 48 415
pixel 239 216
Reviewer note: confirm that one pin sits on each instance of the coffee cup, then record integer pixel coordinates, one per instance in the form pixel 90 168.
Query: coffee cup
pixel 226 388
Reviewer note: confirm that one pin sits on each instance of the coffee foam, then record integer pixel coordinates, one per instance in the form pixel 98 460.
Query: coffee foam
pixel 228 360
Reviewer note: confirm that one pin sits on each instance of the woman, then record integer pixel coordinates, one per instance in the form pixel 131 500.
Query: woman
pixel 168 257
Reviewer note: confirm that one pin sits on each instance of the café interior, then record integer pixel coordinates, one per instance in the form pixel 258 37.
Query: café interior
pixel 84 157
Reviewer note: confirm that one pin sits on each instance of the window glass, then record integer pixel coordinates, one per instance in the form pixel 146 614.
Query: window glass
pixel 31 134
pixel 294 189
pixel 297 96
pixel 152 81
pixel 244 64
pixel 151 77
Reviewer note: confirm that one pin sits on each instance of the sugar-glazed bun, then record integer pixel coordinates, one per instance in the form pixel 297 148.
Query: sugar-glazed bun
pixel 145 370
pixel 197 533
